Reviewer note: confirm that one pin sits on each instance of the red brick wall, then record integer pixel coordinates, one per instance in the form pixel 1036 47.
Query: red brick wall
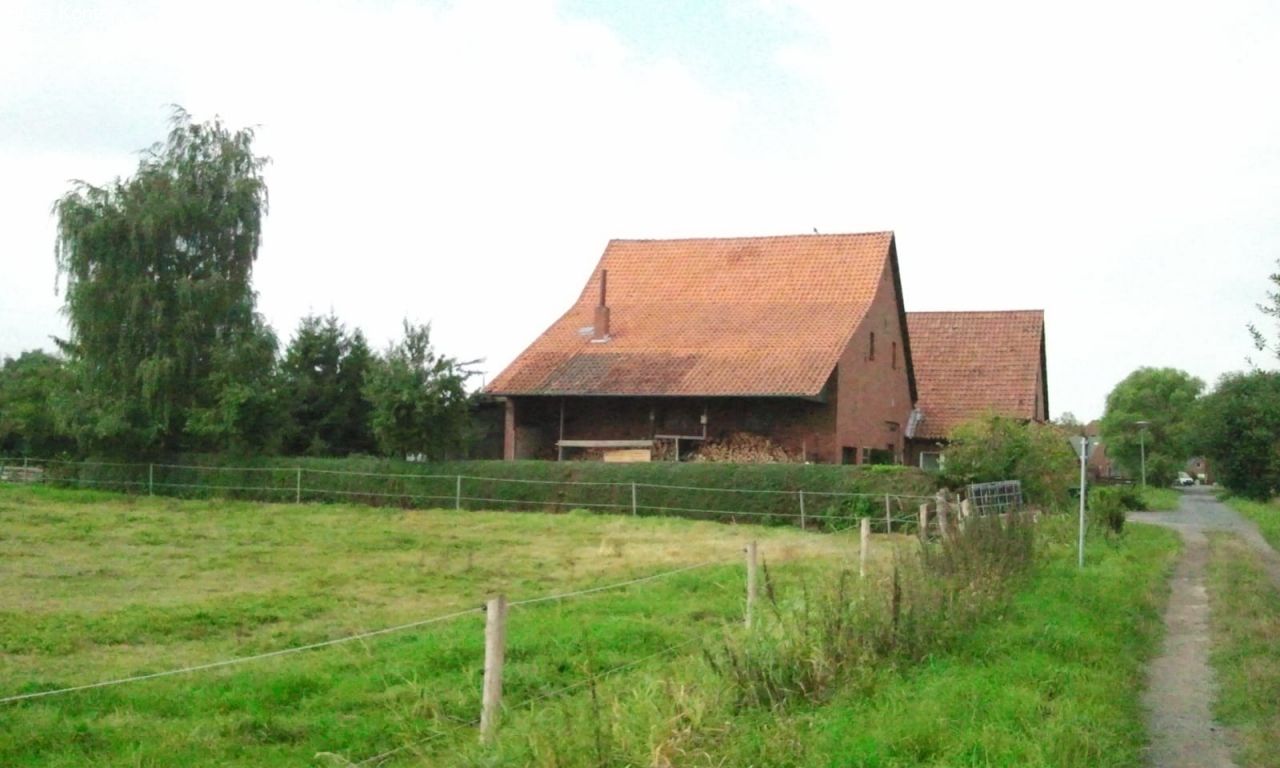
pixel 874 392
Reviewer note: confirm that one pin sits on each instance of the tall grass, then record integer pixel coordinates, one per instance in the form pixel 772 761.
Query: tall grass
pixel 831 633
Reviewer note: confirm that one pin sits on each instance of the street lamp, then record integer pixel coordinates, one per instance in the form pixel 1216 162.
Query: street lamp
pixel 1083 445
pixel 1142 446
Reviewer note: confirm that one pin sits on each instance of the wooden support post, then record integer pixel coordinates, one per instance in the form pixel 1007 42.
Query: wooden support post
pixel 966 510
pixel 633 500
pixel 495 643
pixel 457 494
pixel 751 582
pixel 802 521
pixel 865 548
pixel 924 522
pixel 943 527
pixel 151 479
pixel 297 488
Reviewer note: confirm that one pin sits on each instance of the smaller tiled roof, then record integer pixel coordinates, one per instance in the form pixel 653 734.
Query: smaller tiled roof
pixel 970 363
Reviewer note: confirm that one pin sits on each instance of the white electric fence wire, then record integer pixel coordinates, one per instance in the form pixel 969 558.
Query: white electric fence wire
pixel 243 659
pixel 518 480
pixel 378 758
pixel 608 587
pixel 350 638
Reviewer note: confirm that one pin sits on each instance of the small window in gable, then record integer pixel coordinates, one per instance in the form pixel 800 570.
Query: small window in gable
pixel 871 352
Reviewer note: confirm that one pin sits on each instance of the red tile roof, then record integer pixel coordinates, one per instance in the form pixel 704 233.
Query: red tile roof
pixel 713 317
pixel 968 363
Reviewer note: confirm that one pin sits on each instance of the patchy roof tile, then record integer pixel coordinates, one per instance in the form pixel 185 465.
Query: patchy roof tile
pixel 713 317
pixel 968 363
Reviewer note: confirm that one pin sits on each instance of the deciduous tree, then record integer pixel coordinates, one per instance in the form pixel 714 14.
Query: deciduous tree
pixel 420 403
pixel 1163 398
pixel 165 347
pixel 30 388
pixel 1237 426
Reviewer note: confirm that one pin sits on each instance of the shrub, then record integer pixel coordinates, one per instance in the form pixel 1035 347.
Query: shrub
pixel 1107 506
pixel 993 448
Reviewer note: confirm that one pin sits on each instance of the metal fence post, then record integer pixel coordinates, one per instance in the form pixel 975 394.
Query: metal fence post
pixel 151 479
pixel 457 494
pixel 866 545
pixel 297 488
pixel 495 641
pixel 888 517
pixel 751 581
pixel 633 499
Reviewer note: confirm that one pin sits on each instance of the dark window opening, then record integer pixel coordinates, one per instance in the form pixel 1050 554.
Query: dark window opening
pixel 848 455
pixel 871 353
pixel 881 456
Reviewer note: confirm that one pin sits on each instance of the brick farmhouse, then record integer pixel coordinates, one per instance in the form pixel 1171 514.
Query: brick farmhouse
pixel 802 339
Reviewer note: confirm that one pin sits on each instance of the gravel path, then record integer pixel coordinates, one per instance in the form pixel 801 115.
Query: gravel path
pixel 1180 684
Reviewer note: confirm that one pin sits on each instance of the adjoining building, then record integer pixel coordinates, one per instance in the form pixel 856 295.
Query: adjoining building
pixel 972 363
pixel 802 339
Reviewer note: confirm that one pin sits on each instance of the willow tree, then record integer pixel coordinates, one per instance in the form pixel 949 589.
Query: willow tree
pixel 158 295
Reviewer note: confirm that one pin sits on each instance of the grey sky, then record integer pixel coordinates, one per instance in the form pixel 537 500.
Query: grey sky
pixel 1117 164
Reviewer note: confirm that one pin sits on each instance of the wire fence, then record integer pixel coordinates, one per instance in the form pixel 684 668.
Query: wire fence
pixel 806 508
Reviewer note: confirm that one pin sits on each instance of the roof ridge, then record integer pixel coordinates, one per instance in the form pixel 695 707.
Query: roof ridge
pixel 816 235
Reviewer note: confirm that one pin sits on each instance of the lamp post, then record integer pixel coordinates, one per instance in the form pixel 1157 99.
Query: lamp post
pixel 1082 446
pixel 1142 447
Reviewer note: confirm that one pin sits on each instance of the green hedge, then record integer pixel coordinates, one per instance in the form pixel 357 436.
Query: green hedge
pixel 766 492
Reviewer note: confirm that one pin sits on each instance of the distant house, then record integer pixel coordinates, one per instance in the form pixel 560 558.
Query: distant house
pixel 802 339
pixel 971 363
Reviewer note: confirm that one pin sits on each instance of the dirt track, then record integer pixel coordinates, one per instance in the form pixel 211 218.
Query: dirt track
pixel 1180 683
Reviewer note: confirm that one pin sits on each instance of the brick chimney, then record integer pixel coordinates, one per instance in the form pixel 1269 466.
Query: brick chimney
pixel 600 327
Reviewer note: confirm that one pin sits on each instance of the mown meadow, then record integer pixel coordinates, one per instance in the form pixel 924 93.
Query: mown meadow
pixel 900 668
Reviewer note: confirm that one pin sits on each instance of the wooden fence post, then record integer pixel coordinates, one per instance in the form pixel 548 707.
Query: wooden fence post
pixel 297 495
pixel 966 510
pixel 924 521
pixel 457 494
pixel 888 517
pixel 633 500
pixel 866 546
pixel 943 524
pixel 151 479
pixel 802 509
pixel 495 642
pixel 751 581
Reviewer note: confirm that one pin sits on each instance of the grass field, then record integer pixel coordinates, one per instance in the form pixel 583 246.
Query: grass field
pixel 1160 499
pixel 1265 514
pixel 1246 623
pixel 97 586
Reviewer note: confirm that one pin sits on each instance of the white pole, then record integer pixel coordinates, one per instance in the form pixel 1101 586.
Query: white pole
pixel 802 526
pixel 495 641
pixel 1084 451
pixel 1142 446
pixel 888 517
pixel 633 500
pixel 297 488
pixel 865 546
pixel 151 479
pixel 457 493
pixel 751 581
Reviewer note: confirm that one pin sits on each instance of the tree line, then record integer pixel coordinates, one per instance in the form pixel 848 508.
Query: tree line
pixel 167 352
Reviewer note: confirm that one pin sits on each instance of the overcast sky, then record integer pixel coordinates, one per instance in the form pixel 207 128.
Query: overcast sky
pixel 1116 164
